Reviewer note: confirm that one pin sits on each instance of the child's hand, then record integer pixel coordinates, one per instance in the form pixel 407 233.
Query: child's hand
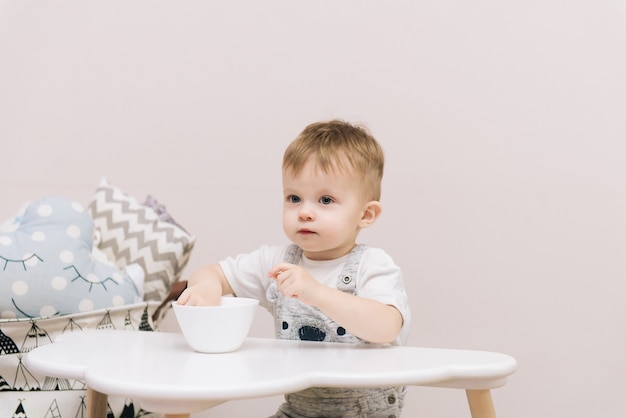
pixel 294 281
pixel 205 287
pixel 199 295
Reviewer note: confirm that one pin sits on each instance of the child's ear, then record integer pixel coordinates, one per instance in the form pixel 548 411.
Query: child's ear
pixel 371 212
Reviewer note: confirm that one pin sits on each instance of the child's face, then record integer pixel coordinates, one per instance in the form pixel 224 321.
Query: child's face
pixel 322 212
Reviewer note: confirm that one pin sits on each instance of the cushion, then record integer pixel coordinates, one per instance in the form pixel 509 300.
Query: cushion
pixel 130 232
pixel 27 394
pixel 47 266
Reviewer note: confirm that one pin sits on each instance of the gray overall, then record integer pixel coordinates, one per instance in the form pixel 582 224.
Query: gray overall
pixel 297 321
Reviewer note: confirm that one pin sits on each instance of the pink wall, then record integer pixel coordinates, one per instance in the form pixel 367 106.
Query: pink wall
pixel 504 196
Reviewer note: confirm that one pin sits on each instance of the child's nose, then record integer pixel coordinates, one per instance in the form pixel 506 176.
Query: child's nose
pixel 305 213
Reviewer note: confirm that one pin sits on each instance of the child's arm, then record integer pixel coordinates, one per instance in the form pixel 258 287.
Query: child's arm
pixel 368 319
pixel 205 287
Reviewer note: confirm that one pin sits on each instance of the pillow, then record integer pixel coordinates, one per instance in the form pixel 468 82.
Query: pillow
pixel 130 232
pixel 47 267
pixel 27 394
pixel 160 210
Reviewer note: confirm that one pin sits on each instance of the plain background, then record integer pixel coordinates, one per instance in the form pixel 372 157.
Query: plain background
pixel 503 124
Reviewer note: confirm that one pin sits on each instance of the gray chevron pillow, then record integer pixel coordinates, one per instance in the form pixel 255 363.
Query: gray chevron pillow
pixel 129 232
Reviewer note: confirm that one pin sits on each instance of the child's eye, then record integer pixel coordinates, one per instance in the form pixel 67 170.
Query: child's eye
pixel 293 199
pixel 326 200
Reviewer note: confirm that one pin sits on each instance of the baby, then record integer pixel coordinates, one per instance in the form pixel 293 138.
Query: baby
pixel 323 286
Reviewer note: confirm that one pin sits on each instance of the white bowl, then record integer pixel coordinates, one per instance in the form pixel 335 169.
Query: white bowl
pixel 216 329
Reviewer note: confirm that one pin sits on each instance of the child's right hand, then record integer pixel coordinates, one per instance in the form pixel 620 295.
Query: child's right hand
pixel 205 287
pixel 199 295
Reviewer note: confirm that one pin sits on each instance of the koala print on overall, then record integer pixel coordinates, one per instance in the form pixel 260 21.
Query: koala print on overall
pixel 296 321
pixel 47 267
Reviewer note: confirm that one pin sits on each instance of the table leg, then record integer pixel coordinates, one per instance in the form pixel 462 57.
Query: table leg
pixel 96 404
pixel 480 403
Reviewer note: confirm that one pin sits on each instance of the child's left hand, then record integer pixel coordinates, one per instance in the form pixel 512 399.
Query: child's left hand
pixel 294 281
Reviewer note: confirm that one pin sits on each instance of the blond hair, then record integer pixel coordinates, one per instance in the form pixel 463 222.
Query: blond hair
pixel 337 145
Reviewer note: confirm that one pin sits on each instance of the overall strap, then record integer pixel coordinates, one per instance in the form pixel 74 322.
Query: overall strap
pixel 293 255
pixel 346 282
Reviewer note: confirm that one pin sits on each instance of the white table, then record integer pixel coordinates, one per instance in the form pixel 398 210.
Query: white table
pixel 163 374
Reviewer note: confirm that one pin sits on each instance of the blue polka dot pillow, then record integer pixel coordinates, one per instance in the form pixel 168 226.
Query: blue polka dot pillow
pixel 47 266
